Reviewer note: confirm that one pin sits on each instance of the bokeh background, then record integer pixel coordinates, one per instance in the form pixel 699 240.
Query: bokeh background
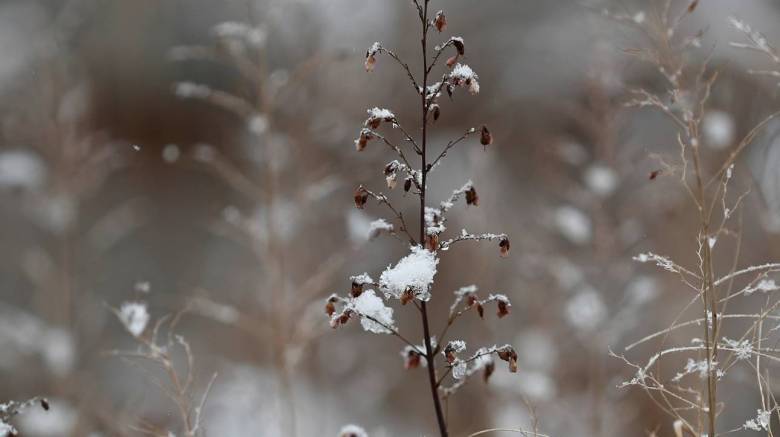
pixel 124 166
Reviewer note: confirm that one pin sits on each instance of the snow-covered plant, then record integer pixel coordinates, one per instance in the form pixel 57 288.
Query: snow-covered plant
pixel 10 409
pixel 690 396
pixel 161 352
pixel 411 279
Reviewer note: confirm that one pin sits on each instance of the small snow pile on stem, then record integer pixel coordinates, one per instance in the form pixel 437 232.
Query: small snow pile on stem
pixel 134 316
pixel 412 274
pixel 375 317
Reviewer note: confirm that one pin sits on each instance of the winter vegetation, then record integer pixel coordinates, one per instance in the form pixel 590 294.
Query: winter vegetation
pixel 293 218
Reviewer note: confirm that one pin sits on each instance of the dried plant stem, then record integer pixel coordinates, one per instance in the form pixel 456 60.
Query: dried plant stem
pixel 429 352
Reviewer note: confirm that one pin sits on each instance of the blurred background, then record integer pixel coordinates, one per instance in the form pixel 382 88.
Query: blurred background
pixel 199 155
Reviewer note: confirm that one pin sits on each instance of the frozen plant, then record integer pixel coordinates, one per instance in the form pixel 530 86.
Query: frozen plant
pixel 135 318
pixel 411 279
pixel 693 402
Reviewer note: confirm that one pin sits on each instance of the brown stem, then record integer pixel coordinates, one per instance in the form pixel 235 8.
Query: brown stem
pixel 429 353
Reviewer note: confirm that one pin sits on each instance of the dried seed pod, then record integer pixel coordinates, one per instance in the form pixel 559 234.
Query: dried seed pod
pixel 45 404
pixel 508 354
pixel 357 289
pixel 459 46
pixel 489 369
pixel 408 184
pixel 370 62
pixel 436 111
pixel 362 141
pixel 432 242
pixel 471 197
pixel 449 353
pixel 485 138
pixel 504 247
pixel 654 174
pixel 440 21
pixel 451 61
pixel 471 299
pixel 361 197
pixel 391 180
pixel 330 308
pixel 480 310
pixel 407 296
pixel 412 359
pixel 503 308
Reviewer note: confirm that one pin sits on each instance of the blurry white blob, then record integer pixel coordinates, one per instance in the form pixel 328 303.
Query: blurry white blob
pixel 171 153
pixel 641 290
pixel 601 180
pixel 58 421
pixel 21 169
pixel 57 213
pixel 74 104
pixel 566 274
pixel 352 431
pixel 134 316
pixel 572 153
pixel 245 401
pixel 190 90
pixel 537 385
pixel 536 349
pixel 59 351
pixel 22 334
pixel 573 224
pixel 283 224
pixel 136 147
pixel 142 287
pixel 719 129
pixel 585 310
pixel 204 153
pixel 258 124
pixel 358 226
pixel 232 215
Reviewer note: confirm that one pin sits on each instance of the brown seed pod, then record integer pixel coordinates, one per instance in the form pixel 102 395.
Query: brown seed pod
pixel 485 138
pixel 413 359
pixel 471 197
pixel 370 62
pixel 436 112
pixel 357 289
pixel 407 296
pixel 407 184
pixel 451 61
pixel 432 242
pixel 459 46
pixel 480 311
pixel 504 247
pixel 361 197
pixel 503 308
pixel 440 21
pixel 508 354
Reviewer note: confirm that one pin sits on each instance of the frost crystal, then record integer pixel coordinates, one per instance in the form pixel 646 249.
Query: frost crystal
pixel 370 306
pixel 413 272
pixel 761 422
pixel 134 316
pixel 742 349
